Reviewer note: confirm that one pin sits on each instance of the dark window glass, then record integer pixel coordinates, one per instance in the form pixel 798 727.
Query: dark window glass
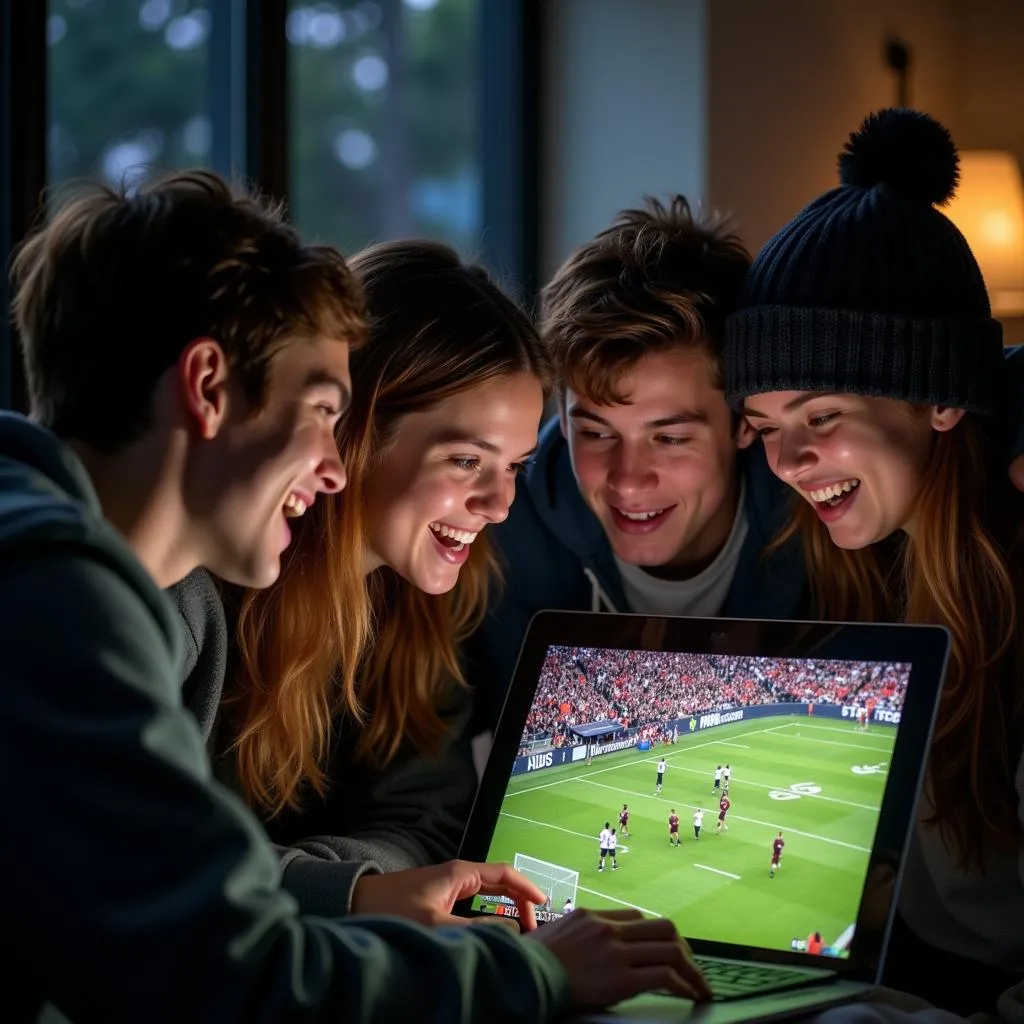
pixel 127 87
pixel 384 121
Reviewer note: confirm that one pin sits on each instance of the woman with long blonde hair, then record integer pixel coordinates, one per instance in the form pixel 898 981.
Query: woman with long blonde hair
pixel 865 354
pixel 344 712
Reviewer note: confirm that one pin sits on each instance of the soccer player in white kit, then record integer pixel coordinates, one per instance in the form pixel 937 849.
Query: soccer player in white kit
pixel 614 841
pixel 661 777
pixel 606 844
pixel 698 821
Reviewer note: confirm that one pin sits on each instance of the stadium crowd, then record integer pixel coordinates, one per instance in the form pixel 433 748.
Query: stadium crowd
pixel 648 689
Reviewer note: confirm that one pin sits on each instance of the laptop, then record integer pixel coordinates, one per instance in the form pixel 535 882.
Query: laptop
pixel 806 740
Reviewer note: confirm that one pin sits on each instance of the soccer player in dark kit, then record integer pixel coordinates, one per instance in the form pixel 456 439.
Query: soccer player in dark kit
pixel 673 827
pixel 723 809
pixel 777 844
pixel 624 820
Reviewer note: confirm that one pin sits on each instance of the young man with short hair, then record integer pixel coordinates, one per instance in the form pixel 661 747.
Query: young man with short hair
pixel 187 362
pixel 645 494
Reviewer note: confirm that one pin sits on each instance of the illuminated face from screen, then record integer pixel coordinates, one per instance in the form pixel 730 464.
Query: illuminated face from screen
pixel 263 469
pixel 659 470
pixel 858 461
pixel 448 473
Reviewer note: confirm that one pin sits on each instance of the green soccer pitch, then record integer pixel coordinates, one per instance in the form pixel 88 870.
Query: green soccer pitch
pixel 820 782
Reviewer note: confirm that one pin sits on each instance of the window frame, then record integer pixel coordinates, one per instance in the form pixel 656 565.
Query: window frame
pixel 23 124
pixel 247 103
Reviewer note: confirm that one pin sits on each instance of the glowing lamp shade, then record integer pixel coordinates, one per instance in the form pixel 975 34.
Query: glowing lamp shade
pixel 989 209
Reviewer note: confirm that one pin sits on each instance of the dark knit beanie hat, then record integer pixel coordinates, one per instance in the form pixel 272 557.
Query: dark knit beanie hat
pixel 870 289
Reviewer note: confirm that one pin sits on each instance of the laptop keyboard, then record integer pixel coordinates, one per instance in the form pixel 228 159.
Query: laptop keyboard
pixel 732 979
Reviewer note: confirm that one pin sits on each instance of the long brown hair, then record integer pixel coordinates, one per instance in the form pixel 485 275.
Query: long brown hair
pixel 961 568
pixel 327 641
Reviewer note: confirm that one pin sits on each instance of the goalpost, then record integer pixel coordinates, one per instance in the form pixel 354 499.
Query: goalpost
pixel 557 883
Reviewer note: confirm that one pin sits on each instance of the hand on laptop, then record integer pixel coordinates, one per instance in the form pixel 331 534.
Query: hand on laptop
pixel 428 894
pixel 611 955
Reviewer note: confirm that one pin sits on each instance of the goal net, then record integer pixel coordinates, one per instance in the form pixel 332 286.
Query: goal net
pixel 557 883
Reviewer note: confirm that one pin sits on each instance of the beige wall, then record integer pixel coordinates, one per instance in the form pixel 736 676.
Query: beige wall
pixel 790 80
pixel 745 104
pixel 624 112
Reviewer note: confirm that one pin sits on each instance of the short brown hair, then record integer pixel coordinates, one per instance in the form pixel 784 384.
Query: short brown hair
pixel 657 278
pixel 115 287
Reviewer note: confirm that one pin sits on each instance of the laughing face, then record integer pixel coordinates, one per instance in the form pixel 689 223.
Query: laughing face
pixel 857 460
pixel 263 469
pixel 659 471
pixel 448 473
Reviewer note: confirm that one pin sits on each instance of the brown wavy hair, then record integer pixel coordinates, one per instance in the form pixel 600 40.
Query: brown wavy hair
pixel 962 568
pixel 659 278
pixel 327 641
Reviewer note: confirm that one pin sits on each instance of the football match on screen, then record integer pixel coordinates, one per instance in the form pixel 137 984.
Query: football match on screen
pixel 737 796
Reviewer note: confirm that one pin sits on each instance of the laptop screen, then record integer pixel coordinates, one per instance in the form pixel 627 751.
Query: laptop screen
pixel 738 796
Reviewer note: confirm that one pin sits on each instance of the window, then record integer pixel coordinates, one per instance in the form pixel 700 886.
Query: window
pixel 384 121
pixel 127 85
pixel 373 119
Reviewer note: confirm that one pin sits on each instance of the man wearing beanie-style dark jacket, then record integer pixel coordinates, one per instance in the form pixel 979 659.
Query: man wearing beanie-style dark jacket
pixel 187 357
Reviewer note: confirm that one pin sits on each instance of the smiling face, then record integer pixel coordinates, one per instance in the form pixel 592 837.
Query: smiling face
pixel 660 472
pixel 263 468
pixel 447 473
pixel 859 461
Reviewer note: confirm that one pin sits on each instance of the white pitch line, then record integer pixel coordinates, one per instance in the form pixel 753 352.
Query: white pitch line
pixel 718 871
pixel 816 727
pixel 605 896
pixel 810 796
pixel 623 764
pixel 822 726
pixel 558 828
pixel 736 817
pixel 727 743
pixel 831 743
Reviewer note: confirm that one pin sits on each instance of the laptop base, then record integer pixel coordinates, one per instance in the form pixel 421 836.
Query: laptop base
pixel 661 1009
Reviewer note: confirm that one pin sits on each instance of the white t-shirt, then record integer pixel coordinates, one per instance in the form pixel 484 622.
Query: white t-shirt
pixel 613 841
pixel 567 909
pixel 703 594
pixel 718 775
pixel 605 838
pixel 726 774
pixel 661 767
pixel 698 818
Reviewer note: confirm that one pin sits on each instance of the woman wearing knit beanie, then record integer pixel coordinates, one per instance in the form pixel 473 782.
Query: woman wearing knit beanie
pixel 865 354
